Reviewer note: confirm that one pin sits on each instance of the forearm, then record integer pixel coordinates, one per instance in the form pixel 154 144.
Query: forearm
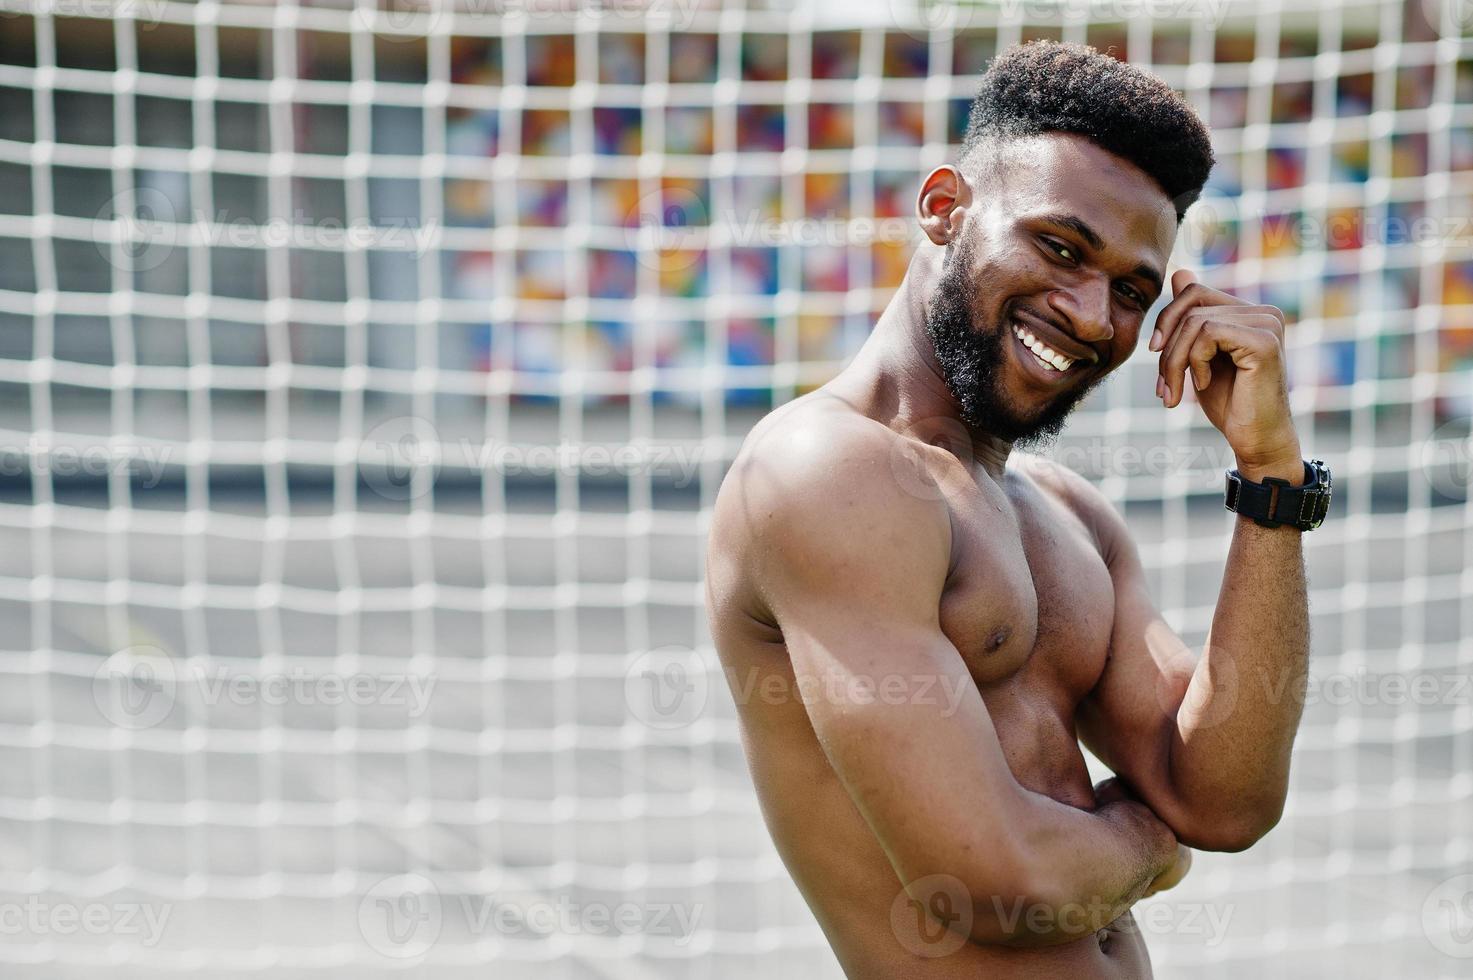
pixel 1093 866
pixel 1080 871
pixel 1235 729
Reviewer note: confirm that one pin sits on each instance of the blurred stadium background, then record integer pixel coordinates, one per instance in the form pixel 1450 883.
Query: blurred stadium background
pixel 402 346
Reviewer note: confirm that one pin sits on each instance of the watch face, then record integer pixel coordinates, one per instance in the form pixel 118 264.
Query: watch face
pixel 1322 497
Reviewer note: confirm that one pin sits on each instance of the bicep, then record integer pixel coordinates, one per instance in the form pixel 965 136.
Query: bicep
pixel 907 733
pixel 853 576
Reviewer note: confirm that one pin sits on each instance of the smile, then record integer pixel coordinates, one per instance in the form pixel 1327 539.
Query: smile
pixel 1047 357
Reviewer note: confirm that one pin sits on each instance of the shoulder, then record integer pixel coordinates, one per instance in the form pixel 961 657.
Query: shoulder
pixel 821 495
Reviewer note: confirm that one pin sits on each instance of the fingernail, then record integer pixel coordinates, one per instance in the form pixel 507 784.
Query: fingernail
pixel 1160 386
pixel 1155 343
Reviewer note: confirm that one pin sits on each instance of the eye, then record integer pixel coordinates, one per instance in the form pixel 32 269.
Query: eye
pixel 1133 294
pixel 1060 249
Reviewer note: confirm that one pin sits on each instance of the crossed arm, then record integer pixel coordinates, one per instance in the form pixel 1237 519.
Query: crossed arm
pixel 853 565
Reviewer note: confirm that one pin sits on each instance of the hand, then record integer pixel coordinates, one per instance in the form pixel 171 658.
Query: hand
pixel 1234 354
pixel 1112 790
pixel 1115 790
pixel 1173 875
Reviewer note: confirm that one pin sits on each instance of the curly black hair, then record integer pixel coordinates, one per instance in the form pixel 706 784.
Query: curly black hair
pixel 1055 86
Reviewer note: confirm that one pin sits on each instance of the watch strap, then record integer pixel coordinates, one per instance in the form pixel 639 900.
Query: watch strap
pixel 1274 502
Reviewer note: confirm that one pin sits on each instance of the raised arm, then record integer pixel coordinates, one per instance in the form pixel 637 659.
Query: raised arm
pixel 852 563
pixel 1206 740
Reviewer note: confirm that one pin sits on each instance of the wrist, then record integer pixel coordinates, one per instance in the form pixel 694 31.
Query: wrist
pixel 1157 839
pixel 1290 468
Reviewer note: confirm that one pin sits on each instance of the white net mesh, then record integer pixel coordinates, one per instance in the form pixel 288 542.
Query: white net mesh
pixel 368 371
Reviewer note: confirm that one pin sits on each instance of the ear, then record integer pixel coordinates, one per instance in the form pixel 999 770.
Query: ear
pixel 942 204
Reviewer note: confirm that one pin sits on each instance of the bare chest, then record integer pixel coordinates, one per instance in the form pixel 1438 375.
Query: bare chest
pixel 1030 603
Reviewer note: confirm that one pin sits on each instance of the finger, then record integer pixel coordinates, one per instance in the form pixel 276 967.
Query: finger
pixel 1174 358
pixel 1180 280
pixel 1189 294
pixel 1109 791
pixel 1243 340
pixel 1199 358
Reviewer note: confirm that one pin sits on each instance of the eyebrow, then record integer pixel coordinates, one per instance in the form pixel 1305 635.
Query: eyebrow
pixel 1094 241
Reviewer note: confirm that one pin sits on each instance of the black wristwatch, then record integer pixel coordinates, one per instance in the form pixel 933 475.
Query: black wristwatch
pixel 1274 502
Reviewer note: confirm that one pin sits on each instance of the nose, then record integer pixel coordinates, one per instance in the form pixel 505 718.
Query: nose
pixel 1086 305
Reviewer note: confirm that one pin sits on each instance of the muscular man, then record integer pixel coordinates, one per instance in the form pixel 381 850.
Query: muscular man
pixel 920 628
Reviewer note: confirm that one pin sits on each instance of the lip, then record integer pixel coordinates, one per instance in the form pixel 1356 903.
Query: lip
pixel 1053 337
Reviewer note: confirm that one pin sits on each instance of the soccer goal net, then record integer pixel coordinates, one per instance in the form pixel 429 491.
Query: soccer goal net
pixel 368 371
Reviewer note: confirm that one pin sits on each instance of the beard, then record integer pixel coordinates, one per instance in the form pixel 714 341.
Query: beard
pixel 972 362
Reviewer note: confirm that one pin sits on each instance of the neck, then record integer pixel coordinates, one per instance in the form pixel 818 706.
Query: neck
pixel 896 379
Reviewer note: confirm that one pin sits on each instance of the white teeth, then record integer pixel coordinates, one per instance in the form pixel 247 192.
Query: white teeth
pixel 1046 355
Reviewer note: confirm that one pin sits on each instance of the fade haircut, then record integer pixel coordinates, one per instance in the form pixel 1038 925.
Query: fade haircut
pixel 1059 87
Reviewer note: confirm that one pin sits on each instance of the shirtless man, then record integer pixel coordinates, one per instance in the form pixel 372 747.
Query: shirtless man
pixel 920 629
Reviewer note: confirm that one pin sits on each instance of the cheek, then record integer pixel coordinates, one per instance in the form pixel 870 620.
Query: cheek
pixel 1124 343
pixel 1018 274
